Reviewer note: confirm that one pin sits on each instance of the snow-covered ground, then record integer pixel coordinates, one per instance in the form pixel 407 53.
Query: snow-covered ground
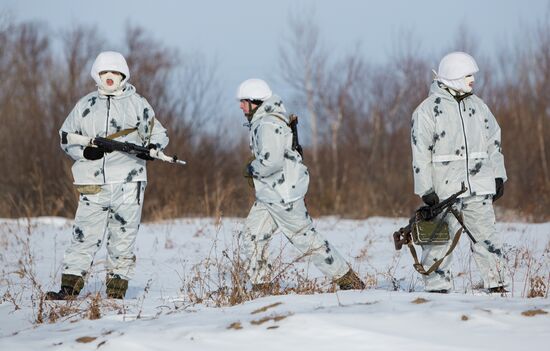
pixel 171 303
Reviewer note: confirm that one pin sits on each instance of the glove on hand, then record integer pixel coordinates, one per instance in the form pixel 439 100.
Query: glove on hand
pixel 499 184
pixel 430 199
pixel 148 157
pixel 247 172
pixel 93 153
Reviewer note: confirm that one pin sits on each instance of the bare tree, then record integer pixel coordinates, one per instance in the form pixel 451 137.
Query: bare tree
pixel 153 64
pixel 302 64
pixel 359 113
pixel 337 99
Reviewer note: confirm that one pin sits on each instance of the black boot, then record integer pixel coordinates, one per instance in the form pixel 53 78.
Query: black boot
pixel 498 290
pixel 70 288
pixel 350 281
pixel 116 286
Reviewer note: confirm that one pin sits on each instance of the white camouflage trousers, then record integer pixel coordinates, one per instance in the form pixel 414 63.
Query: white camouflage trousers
pixel 296 224
pixel 115 211
pixel 479 218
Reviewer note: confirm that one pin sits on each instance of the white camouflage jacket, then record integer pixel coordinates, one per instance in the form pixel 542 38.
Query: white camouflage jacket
pixel 278 171
pixel 99 115
pixel 454 143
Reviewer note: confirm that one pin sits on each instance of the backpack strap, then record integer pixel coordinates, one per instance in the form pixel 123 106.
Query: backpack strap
pixel 293 125
pixel 279 116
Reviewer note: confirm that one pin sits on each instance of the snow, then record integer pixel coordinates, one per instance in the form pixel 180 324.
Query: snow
pixel 159 313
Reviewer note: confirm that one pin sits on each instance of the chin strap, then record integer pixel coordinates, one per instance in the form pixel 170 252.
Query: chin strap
pixel 251 110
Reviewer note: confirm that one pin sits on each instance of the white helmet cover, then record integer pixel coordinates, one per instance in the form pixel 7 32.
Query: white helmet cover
pixel 454 67
pixel 457 65
pixel 110 61
pixel 254 89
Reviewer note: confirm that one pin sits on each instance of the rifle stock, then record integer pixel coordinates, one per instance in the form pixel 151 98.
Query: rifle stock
pixel 402 237
pixel 76 139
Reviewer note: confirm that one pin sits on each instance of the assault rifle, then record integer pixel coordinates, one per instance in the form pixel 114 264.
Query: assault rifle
pixel 412 232
pixel 109 144
pixel 294 127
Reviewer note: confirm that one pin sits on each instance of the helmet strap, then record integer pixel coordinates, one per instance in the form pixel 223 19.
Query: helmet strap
pixel 252 111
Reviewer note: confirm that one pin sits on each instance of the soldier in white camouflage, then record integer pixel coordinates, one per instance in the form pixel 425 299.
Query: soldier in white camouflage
pixel 280 180
pixel 455 140
pixel 111 183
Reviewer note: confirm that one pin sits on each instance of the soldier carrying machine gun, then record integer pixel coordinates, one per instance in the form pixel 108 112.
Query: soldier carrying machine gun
pixel 427 227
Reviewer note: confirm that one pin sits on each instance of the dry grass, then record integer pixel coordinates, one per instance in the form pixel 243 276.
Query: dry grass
pixel 94 310
pixel 85 339
pixel 419 301
pixel 265 308
pixel 530 266
pixel 22 287
pixel 532 313
pixel 222 279
pixel 235 325
pixel 538 287
pixel 274 318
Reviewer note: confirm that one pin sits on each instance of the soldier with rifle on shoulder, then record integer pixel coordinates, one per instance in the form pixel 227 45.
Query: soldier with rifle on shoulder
pixel 280 181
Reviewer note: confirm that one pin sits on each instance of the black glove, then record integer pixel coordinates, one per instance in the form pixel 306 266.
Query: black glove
pixel 250 170
pixel 430 199
pixel 93 153
pixel 499 185
pixel 147 156
pixel 247 172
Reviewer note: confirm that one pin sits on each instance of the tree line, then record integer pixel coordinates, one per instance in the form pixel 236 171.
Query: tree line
pixel 355 118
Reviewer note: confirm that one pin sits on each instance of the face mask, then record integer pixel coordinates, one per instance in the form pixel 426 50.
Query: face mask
pixel 461 85
pixel 467 80
pixel 110 82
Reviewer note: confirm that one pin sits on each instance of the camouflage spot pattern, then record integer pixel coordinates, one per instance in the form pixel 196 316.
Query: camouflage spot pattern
pixel 476 169
pixel 78 234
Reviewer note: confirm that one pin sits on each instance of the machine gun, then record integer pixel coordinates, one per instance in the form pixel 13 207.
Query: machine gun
pixel 126 147
pixel 425 228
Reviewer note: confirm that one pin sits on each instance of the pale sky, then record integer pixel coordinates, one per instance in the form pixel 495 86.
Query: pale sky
pixel 243 36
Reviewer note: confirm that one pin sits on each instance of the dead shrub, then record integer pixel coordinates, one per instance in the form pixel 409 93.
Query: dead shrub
pixel 537 287
pixel 94 310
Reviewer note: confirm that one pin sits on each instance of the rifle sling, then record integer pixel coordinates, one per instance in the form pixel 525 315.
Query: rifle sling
pixel 459 219
pixel 291 124
pixel 418 266
pixel 281 118
pixel 120 133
